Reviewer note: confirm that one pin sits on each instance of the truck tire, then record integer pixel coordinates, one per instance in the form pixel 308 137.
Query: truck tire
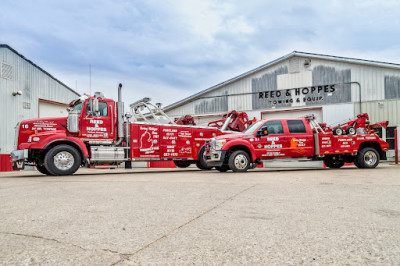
pixel 201 166
pixel 239 161
pixel 222 169
pixel 351 131
pixel 331 163
pixel 42 169
pixel 368 157
pixel 356 163
pixel 338 131
pixel 62 160
pixel 182 164
pixel 201 162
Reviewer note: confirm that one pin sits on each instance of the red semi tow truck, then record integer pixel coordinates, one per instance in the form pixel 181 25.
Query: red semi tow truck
pixel 301 138
pixel 97 132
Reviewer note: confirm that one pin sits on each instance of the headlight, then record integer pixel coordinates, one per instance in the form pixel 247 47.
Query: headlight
pixel 219 143
pixel 30 139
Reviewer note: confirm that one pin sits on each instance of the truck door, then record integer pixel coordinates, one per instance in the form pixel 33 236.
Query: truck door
pixel 100 126
pixel 272 144
pixel 300 139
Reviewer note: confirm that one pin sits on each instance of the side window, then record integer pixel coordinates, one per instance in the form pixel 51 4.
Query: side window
pixel 103 111
pixel 77 109
pixel 274 127
pixel 296 126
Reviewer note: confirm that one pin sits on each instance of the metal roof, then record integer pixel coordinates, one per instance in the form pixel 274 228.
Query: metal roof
pixel 278 60
pixel 41 69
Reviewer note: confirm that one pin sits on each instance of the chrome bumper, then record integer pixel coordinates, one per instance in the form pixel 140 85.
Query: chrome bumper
pixel 213 156
pixel 19 155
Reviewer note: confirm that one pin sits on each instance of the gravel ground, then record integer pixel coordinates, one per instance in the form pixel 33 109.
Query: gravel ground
pixel 158 216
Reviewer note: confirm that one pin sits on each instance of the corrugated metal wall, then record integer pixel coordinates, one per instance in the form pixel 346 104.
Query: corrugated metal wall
pixel 17 74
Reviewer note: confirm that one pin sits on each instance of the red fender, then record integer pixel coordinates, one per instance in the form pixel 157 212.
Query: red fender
pixel 47 138
pixel 240 142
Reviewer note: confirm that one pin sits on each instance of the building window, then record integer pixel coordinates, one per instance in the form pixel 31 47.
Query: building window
pixel 296 126
pixel 390 137
pixel 6 71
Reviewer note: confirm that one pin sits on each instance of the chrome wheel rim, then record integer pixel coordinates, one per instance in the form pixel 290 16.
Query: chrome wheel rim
pixel 64 160
pixel 352 131
pixel 241 161
pixel 370 158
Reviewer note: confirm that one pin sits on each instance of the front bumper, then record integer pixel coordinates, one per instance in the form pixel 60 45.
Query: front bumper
pixel 215 158
pixel 18 159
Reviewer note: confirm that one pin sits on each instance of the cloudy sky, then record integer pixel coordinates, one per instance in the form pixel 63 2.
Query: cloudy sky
pixel 169 50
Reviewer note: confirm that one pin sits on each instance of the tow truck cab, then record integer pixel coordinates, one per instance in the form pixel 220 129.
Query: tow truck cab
pixel 91 120
pixel 292 138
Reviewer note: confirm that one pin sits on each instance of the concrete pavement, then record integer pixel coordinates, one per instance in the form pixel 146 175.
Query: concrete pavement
pixel 158 216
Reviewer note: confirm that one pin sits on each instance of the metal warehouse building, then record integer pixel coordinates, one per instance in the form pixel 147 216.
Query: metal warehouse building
pixel 331 87
pixel 26 91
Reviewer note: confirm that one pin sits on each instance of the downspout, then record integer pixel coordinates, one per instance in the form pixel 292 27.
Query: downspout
pixel 359 92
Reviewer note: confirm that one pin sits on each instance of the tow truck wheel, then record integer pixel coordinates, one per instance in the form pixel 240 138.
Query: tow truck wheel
pixel 368 157
pixel 201 166
pixel 338 131
pixel 182 164
pixel 62 160
pixel 239 161
pixel 42 169
pixel 351 131
pixel 223 168
pixel 201 163
pixel 356 163
pixel 332 163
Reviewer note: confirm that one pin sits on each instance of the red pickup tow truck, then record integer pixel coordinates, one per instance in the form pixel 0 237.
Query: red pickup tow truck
pixel 97 133
pixel 301 138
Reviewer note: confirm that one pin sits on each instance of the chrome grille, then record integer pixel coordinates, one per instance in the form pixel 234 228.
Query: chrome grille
pixel 207 146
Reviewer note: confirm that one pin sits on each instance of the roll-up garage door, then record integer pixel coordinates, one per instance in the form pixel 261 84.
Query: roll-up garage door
pixel 51 109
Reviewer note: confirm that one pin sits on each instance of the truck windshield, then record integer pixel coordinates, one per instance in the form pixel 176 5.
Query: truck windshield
pixel 253 127
pixel 77 108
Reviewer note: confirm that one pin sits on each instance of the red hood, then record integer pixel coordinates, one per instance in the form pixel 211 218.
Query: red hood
pixel 235 136
pixel 38 125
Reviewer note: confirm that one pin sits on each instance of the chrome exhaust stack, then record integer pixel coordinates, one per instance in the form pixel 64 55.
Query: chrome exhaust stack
pixel 120 106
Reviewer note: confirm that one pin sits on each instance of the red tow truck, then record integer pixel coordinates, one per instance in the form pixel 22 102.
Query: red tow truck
pixel 302 138
pixel 97 133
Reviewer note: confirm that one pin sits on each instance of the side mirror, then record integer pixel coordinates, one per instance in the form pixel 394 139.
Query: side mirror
pixel 262 132
pixel 96 106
